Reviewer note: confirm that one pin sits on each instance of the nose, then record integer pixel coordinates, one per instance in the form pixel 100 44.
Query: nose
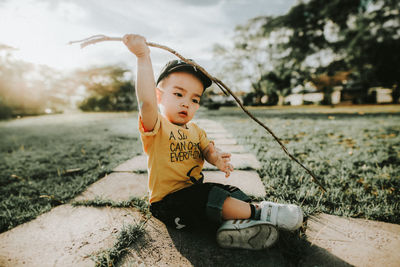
pixel 185 105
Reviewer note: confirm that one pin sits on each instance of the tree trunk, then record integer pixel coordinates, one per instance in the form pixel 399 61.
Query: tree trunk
pixel 327 95
pixel 395 94
pixel 281 100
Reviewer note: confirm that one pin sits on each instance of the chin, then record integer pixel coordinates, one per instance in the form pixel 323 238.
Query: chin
pixel 181 121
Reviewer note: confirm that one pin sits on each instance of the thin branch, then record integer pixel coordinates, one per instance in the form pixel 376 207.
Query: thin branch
pixel 100 38
pixel 225 89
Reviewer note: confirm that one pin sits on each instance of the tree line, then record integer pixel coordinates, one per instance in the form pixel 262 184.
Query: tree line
pixel 353 44
pixel 29 89
pixel 348 43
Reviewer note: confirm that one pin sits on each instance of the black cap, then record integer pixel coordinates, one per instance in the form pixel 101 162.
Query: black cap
pixel 180 65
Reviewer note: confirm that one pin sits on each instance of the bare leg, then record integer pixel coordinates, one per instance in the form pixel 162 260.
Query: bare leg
pixel 235 209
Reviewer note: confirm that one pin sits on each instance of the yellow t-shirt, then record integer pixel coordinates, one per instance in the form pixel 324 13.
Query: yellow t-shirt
pixel 174 154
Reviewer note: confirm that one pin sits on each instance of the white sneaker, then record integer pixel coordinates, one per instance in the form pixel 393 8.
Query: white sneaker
pixel 247 234
pixel 284 216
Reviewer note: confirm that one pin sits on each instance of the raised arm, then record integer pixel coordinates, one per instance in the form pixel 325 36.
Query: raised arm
pixel 145 84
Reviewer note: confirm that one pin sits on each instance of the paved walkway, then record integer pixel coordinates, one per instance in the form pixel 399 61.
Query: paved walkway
pixel 68 236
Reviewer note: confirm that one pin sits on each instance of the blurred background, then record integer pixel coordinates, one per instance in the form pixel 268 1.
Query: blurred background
pixel 271 52
pixel 324 75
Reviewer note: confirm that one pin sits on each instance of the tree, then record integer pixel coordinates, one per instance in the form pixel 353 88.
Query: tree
pixel 109 88
pixel 25 88
pixel 321 38
pixel 358 35
pixel 249 62
pixel 372 45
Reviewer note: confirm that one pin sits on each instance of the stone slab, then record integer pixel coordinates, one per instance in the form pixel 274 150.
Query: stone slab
pixel 218 135
pixel 229 148
pixel 65 236
pixel 206 123
pixel 216 131
pixel 137 164
pixel 225 141
pixel 210 125
pixel 240 162
pixel 117 186
pixel 248 181
pixel 216 128
pixel 358 242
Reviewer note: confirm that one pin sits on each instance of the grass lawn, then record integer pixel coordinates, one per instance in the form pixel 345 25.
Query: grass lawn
pixel 47 160
pixel 355 152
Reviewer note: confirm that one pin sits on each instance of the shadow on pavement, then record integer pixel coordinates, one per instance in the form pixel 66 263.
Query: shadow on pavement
pixel 200 249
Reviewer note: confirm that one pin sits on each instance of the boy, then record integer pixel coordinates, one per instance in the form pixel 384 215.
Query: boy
pixel 176 150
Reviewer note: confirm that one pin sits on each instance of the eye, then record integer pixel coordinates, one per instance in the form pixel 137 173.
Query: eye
pixel 195 101
pixel 178 94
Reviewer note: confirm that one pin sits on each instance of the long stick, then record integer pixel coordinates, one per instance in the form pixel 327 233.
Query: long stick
pixel 99 38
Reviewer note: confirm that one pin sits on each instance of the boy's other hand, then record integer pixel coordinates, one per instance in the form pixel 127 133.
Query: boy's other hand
pixel 225 165
pixel 222 160
pixel 136 44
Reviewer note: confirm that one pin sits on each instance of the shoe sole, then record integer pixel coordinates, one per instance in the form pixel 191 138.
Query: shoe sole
pixel 255 237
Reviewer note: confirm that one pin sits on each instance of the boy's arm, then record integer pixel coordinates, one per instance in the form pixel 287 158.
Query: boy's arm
pixel 145 84
pixel 219 159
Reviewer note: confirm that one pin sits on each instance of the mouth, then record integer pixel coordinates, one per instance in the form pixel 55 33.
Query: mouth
pixel 183 114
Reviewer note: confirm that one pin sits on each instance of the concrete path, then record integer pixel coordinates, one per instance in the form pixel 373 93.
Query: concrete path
pixel 358 242
pixel 70 236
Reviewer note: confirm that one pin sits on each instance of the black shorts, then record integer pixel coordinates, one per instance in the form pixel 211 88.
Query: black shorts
pixel 195 206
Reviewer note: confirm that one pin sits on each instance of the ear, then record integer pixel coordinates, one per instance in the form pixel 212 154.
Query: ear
pixel 159 94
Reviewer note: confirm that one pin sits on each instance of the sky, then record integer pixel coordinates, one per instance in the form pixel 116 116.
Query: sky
pixel 41 29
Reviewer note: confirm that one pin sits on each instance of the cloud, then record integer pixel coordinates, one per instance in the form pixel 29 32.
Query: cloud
pixel 198 3
pixel 191 27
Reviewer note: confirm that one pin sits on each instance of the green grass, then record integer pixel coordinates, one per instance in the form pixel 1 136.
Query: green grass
pixel 129 235
pixel 45 161
pixel 355 154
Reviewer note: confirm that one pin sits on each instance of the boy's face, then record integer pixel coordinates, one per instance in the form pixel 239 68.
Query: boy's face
pixel 179 97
